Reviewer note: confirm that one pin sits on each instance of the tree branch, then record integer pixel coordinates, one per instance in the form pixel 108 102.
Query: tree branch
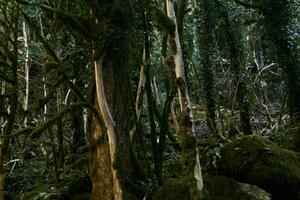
pixel 35 131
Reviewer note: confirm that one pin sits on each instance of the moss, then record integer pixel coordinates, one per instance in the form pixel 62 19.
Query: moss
pixel 255 160
pixel 216 188
pixel 163 21
pixel 188 142
pixel 199 114
pixel 37 193
pixel 222 188
pixel 172 190
pixel 173 45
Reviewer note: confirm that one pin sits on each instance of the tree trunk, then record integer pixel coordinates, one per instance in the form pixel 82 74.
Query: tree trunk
pixel 139 96
pixel 113 169
pixel 208 74
pixel 187 129
pixel 60 138
pixel 278 30
pixel 110 128
pixel 111 163
pixel 26 69
pixel 239 83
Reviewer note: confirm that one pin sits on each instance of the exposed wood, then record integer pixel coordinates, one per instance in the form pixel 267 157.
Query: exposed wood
pixel 184 99
pixel 110 126
pixel 26 69
pixel 139 95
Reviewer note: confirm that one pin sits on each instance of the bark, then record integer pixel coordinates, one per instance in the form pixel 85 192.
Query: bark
pixel 26 69
pixel 174 117
pixel 279 34
pixel 187 129
pixel 110 128
pixel 139 95
pixel 60 139
pixel 110 144
pixel 154 145
pixel 112 160
pixel 239 83
pixel 208 75
pixel 114 168
pixel 140 92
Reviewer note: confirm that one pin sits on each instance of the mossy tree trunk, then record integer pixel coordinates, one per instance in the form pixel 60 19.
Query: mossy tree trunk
pixel 278 32
pixel 236 64
pixel 208 74
pixel 186 125
pixel 60 137
pixel 112 161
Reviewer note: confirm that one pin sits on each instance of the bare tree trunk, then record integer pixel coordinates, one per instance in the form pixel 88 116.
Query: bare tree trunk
pixel 187 129
pixel 139 95
pixel 26 69
pixel 141 88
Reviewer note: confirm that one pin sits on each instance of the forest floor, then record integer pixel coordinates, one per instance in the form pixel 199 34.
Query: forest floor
pixel 239 168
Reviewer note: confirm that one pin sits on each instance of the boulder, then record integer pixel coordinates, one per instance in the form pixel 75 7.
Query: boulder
pixel 222 188
pixel 216 188
pixel 256 160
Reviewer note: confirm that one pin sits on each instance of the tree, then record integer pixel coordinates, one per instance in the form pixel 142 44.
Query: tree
pixel 9 78
pixel 187 127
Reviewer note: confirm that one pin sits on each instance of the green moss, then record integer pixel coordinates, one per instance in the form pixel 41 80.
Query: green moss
pixel 187 142
pixel 216 188
pixel 163 21
pixel 255 160
pixel 198 114
pixel 174 189
pixel 222 188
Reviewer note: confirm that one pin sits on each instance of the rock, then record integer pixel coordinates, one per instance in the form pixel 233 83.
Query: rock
pixel 255 192
pixel 174 189
pixel 257 161
pixel 222 188
pixel 216 188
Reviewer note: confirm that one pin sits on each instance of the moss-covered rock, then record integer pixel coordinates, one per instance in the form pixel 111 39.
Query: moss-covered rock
pixel 222 188
pixel 216 188
pixel 174 189
pixel 255 160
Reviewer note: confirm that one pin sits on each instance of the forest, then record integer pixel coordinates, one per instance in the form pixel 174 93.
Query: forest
pixel 149 99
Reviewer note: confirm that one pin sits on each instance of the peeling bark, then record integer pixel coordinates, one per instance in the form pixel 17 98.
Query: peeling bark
pixel 110 126
pixel 26 69
pixel 188 129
